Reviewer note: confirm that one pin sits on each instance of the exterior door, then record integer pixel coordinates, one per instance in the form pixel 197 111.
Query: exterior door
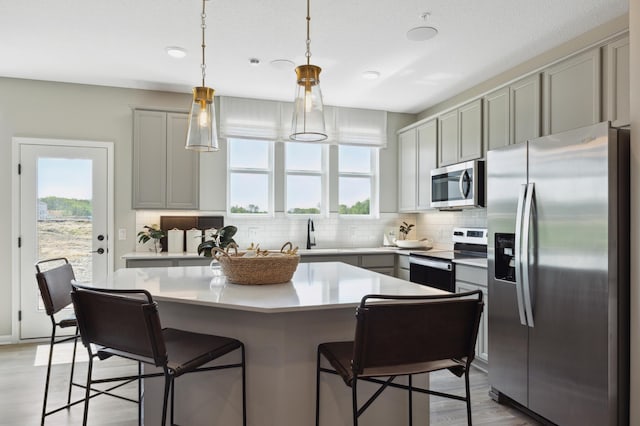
pixel 64 211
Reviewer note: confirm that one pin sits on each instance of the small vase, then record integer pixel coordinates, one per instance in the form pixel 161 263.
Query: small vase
pixel 157 246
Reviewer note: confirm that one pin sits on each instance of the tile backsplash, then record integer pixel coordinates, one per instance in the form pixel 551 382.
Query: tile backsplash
pixel 272 232
pixel 438 225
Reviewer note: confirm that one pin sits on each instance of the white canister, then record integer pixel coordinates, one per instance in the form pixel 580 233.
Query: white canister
pixel 194 238
pixel 175 239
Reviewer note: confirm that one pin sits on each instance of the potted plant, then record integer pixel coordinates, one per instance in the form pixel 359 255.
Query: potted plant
pixel 405 228
pixel 154 233
pixel 221 239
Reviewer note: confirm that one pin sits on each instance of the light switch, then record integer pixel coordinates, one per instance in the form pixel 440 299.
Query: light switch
pixel 122 234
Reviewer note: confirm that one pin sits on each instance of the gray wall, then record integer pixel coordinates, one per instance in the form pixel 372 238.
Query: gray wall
pixel 69 111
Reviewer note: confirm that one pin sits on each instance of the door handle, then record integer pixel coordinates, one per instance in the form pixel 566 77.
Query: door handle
pixel 518 254
pixel 525 252
pixel 464 179
pixel 99 251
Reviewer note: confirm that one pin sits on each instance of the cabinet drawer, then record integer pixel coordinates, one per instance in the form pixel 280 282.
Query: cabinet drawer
pixel 378 260
pixel 471 274
pixel 403 261
pixel 204 261
pixel 350 259
pixel 149 263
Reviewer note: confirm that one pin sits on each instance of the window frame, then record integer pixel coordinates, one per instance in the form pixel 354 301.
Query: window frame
pixel 323 173
pixel 269 172
pixel 374 178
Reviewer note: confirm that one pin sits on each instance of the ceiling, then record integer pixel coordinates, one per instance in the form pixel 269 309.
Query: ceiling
pixel 122 43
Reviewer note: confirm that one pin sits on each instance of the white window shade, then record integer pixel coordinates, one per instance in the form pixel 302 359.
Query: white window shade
pixel 249 118
pixel 364 127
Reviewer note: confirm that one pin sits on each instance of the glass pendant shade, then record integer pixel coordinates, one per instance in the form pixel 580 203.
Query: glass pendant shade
pixel 308 115
pixel 202 134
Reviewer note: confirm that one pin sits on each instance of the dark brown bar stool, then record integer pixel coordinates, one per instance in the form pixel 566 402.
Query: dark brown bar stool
pixel 126 323
pixel 55 290
pixel 411 335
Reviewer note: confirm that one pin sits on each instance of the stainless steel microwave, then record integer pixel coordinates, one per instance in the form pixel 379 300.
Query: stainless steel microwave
pixel 458 186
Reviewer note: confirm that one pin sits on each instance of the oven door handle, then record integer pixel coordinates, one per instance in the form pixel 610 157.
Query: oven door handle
pixel 445 266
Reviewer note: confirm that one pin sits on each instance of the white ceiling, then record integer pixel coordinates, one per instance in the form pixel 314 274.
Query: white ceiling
pixel 122 43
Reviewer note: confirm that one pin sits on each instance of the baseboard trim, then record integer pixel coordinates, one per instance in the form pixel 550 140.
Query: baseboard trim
pixel 6 339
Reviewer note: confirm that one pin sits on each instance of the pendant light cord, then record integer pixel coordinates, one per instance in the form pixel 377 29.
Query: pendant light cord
pixel 204 26
pixel 308 53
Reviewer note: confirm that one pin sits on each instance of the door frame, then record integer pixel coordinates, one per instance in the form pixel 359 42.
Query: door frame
pixel 16 142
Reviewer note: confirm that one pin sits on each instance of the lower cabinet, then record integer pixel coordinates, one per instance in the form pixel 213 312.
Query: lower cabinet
pixel 381 263
pixel 403 267
pixel 470 278
pixel 167 262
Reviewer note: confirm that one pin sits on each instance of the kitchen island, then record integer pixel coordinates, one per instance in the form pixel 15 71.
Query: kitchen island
pixel 281 326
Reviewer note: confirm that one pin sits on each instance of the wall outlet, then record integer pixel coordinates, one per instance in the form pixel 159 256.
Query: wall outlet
pixel 122 234
pixel 252 233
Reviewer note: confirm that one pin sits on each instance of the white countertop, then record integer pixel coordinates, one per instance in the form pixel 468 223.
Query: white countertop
pixel 314 286
pixel 480 262
pixel 302 252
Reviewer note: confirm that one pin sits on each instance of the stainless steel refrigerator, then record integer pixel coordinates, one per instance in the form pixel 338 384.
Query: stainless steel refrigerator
pixel 558 251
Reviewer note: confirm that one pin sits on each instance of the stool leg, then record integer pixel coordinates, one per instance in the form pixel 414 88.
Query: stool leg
pixel 46 383
pixel 354 402
pixel 244 389
pixel 318 388
pixel 73 365
pixel 139 393
pixel 87 393
pixel 173 398
pixel 466 383
pixel 410 400
pixel 167 386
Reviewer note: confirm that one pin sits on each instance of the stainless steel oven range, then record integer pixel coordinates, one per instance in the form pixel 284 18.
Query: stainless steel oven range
pixel 436 268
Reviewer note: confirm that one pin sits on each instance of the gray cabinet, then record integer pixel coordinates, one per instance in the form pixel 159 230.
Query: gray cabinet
pixel 165 174
pixel 470 278
pixel 382 263
pixel 460 134
pixel 572 93
pixel 417 149
pixel 403 272
pixel 168 262
pixel 512 113
pixel 616 82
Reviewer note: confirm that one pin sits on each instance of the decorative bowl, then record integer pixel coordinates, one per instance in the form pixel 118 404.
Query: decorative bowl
pixel 413 244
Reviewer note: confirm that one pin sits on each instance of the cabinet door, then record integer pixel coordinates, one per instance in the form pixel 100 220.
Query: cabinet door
pixel 427 160
pixel 462 287
pixel 183 165
pixel 572 93
pixel 407 176
pixel 617 83
pixel 470 138
pixel 496 119
pixel 149 159
pixel 448 138
pixel 525 109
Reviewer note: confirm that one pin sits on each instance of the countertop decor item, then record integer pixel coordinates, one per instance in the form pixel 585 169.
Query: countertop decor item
pixel 175 240
pixel 260 267
pixel 154 233
pixel 405 228
pixel 202 134
pixel 308 113
pixel 220 239
pixel 410 244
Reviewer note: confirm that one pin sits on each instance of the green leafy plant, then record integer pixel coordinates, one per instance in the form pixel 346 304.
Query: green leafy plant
pixel 405 228
pixel 152 232
pixel 221 239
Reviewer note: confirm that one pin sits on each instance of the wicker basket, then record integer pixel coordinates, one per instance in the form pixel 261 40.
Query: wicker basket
pixel 256 270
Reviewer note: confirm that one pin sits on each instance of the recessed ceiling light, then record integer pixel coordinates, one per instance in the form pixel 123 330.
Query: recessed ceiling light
pixel 283 64
pixel 421 33
pixel 370 75
pixel 176 52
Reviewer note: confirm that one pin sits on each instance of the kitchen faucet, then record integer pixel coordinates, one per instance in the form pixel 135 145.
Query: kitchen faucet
pixel 311 239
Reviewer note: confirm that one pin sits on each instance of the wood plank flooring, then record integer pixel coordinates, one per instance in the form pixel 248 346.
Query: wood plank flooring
pixel 22 387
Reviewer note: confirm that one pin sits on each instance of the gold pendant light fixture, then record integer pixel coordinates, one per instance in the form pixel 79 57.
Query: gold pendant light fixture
pixel 202 134
pixel 308 114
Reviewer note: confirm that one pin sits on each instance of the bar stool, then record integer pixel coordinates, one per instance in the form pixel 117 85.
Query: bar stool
pixel 418 335
pixel 55 289
pixel 126 323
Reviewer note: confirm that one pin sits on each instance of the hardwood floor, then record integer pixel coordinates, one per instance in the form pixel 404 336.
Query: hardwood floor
pixel 22 387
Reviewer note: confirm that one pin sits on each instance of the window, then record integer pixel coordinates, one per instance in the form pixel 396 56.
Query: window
pixel 358 169
pixel 250 176
pixel 305 178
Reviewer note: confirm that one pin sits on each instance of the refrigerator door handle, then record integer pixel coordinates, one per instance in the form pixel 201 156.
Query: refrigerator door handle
pixel 518 254
pixel 525 252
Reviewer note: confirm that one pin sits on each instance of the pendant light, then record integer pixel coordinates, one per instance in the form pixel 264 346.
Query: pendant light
pixel 202 134
pixel 308 113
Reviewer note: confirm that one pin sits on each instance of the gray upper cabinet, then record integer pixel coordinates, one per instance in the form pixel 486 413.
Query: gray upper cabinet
pixel 572 93
pixel 417 149
pixel 512 113
pixel 165 174
pixel 617 82
pixel 496 119
pixel 525 109
pixel 460 134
